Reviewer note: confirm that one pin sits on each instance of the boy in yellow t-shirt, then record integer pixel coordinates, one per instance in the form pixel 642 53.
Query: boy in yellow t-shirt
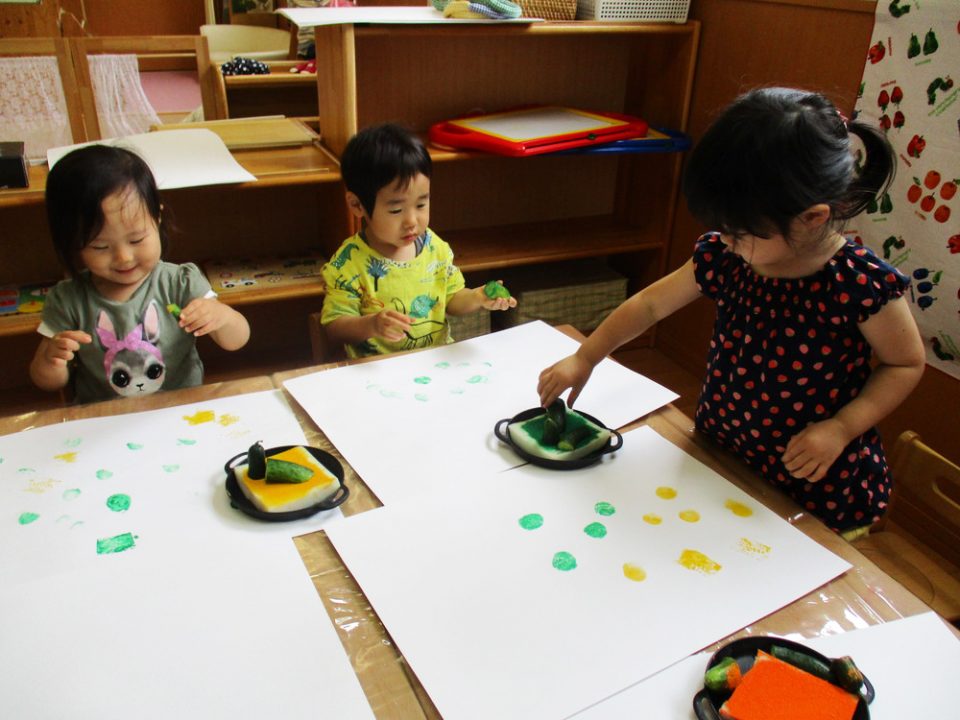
pixel 391 286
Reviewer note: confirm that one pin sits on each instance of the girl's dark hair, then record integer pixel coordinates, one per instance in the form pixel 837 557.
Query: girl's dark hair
pixel 773 153
pixel 379 155
pixel 76 188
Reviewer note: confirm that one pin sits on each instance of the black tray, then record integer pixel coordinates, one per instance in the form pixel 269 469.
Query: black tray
pixel 706 703
pixel 500 430
pixel 241 502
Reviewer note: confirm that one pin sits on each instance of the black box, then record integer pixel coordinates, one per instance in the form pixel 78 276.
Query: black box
pixel 13 166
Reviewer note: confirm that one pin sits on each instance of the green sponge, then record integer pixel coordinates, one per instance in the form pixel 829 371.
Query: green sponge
pixel 580 437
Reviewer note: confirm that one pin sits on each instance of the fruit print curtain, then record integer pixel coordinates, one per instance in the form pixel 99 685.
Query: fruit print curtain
pixel 910 90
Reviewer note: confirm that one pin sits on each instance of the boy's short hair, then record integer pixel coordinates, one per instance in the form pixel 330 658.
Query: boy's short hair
pixel 379 155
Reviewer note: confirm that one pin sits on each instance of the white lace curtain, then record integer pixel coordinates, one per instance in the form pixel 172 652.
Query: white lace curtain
pixel 32 105
pixel 122 106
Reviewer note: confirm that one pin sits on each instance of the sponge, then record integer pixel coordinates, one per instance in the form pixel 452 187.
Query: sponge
pixel 583 435
pixel 287 496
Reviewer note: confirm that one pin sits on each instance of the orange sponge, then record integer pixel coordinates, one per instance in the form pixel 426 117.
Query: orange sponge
pixel 773 688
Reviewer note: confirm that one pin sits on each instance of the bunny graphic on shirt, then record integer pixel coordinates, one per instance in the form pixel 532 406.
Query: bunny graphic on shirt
pixel 134 363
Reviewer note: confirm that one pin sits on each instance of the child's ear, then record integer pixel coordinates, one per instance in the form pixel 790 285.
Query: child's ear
pixel 356 207
pixel 815 216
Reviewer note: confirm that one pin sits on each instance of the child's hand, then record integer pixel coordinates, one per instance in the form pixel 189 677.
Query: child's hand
pixel 62 347
pixel 571 372
pixel 812 451
pixel 203 316
pixel 494 303
pixel 391 325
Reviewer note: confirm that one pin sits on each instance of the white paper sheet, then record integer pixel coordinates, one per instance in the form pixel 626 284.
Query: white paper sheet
pixel 209 629
pixel 393 15
pixel 144 478
pixel 178 158
pixel 410 424
pixel 494 628
pixel 910 662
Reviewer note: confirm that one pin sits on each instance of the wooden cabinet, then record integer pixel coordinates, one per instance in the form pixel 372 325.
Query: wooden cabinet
pixel 499 212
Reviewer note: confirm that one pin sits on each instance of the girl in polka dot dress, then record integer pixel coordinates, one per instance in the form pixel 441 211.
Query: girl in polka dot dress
pixel 801 310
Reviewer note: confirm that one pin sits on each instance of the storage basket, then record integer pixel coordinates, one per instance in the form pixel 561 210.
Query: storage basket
pixel 549 9
pixel 634 10
pixel 464 327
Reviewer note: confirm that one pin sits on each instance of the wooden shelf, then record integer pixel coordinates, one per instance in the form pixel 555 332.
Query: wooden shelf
pixel 528 244
pixel 258 296
pixel 25 324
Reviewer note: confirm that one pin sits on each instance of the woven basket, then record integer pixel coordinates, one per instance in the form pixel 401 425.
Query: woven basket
pixel 549 9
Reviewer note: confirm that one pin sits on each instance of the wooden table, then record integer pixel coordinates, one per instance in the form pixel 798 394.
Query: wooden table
pixel 862 596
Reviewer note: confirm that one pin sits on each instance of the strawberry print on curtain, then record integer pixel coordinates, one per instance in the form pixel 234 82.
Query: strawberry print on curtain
pixel 910 87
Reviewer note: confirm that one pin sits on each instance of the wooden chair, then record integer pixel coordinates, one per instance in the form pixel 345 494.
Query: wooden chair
pixel 168 52
pixel 918 542
pixel 56 47
pixel 323 350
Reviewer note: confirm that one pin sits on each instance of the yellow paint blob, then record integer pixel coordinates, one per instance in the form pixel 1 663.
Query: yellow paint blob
pixel 667 493
pixel 738 508
pixel 228 419
pixel 652 519
pixel 39 487
pixel 634 572
pixel 66 457
pixel 690 516
pixel 199 417
pixel 696 560
pixel 757 548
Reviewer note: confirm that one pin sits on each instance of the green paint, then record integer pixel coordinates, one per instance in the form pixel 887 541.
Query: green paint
pixel 170 468
pixel 186 441
pixel 78 523
pixel 574 421
pixel 135 446
pixel 25 470
pixel 72 442
pixel 104 474
pixel 442 365
pixel 389 393
pixel 422 380
pixel 564 561
pixel 477 379
pixel 531 521
pixel 119 502
pixel 115 544
pixel 421 397
pixel 462 364
pixel 596 530
pixel 604 508
pixel 27 518
pixel 71 494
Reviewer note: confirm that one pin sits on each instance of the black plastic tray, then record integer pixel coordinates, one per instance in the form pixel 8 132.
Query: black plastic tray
pixel 242 503
pixel 614 442
pixel 706 703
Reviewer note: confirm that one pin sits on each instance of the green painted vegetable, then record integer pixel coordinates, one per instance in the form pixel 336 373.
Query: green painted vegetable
pixel 557 411
pixel 846 674
pixel 174 310
pixel 495 289
pixel 283 471
pixel 551 433
pixel 256 462
pixel 725 675
pixel 570 440
pixel 803 661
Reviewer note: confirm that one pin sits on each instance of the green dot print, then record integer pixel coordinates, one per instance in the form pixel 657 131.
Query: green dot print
pixel 476 379
pixel 421 397
pixel 422 380
pixel 531 521
pixel 71 494
pixel 115 544
pixel 186 441
pixel 564 561
pixel 134 446
pixel 27 518
pixel 119 502
pixel 170 468
pixel 104 474
pixel 596 530
pixel 442 365
pixel 604 508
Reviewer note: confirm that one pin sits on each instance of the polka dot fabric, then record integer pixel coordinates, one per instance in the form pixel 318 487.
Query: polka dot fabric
pixel 788 352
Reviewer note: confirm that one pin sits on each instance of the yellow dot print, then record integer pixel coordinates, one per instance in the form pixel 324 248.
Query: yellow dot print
pixel 227 419
pixel 690 516
pixel 696 560
pixel 755 548
pixel 738 508
pixel 67 457
pixel 634 572
pixel 199 417
pixel 666 493
pixel 652 519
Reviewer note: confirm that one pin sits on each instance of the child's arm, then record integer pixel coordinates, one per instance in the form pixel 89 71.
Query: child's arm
pixel 632 318
pixel 49 368
pixel 469 300
pixel 893 335
pixel 389 325
pixel 208 316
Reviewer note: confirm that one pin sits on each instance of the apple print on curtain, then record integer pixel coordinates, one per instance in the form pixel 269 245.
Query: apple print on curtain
pixel 910 87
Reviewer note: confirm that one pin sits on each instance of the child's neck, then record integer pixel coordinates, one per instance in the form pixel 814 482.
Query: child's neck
pixel 809 257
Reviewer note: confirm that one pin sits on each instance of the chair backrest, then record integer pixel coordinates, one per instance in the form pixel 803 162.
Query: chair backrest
pixel 251 41
pixel 152 53
pixel 58 99
pixel 323 350
pixel 926 496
